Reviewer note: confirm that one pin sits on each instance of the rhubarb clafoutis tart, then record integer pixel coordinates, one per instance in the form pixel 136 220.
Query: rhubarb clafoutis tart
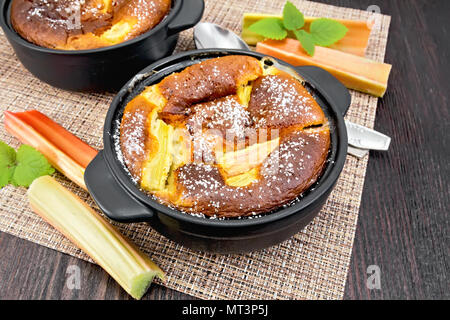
pixel 227 137
pixel 85 24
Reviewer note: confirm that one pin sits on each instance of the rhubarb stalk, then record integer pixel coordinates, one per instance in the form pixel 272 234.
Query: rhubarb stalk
pixel 67 213
pixel 64 140
pixel 67 153
pixel 355 41
pixel 354 72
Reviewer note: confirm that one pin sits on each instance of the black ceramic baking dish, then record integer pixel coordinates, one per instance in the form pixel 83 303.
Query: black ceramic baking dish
pixel 122 200
pixel 108 68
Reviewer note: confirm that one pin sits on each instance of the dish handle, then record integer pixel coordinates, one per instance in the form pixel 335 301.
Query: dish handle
pixel 190 13
pixel 116 202
pixel 330 87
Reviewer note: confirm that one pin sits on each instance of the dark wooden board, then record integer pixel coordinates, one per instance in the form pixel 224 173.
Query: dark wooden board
pixel 403 225
pixel 403 222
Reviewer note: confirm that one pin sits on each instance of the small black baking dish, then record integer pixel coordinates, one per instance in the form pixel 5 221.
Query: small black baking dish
pixel 122 200
pixel 108 68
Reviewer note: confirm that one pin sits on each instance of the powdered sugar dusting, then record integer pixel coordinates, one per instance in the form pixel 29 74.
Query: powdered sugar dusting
pixel 278 101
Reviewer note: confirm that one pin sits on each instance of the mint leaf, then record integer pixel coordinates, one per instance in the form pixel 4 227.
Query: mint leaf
pixel 325 31
pixel 7 163
pixel 293 19
pixel 31 164
pixel 6 174
pixel 7 155
pixel 306 40
pixel 271 28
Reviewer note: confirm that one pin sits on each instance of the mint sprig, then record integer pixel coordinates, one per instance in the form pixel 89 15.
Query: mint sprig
pixel 22 167
pixel 322 32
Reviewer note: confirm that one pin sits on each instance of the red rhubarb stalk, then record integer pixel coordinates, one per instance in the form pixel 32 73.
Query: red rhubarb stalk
pixel 61 138
pixel 27 134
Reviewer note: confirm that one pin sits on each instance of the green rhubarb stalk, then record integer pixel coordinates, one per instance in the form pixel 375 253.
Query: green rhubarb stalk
pixel 67 213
